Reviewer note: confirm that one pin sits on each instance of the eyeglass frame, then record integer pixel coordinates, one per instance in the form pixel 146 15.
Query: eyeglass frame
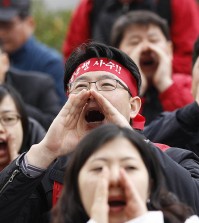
pixel 18 117
pixel 90 82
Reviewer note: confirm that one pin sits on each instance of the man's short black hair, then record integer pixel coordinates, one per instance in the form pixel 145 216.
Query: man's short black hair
pixel 138 17
pixel 195 51
pixel 98 50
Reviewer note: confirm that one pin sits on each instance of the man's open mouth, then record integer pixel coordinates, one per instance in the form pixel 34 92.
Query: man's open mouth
pixel 148 65
pixel 94 116
pixel 148 62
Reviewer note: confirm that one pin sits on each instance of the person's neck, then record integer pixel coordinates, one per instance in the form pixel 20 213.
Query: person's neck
pixel 22 47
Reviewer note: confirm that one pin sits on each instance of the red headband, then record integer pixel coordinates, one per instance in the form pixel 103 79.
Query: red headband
pixel 104 64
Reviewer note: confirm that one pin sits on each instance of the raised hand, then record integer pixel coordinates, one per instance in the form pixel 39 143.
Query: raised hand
pixel 111 113
pixel 63 134
pixel 12 147
pixel 195 81
pixel 162 77
pixel 100 208
pixel 135 206
pixel 135 56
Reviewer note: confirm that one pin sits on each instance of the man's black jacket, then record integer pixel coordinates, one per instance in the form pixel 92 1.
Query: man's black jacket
pixel 179 128
pixel 27 200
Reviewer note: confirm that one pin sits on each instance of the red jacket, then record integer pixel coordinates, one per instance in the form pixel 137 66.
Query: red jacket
pixel 176 96
pixel 184 31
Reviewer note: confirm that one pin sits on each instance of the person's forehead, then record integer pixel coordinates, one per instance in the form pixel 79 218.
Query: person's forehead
pixel 7 104
pixel 106 150
pixel 144 28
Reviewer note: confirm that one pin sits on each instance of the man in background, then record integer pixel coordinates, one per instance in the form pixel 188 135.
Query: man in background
pixel 144 36
pixel 25 52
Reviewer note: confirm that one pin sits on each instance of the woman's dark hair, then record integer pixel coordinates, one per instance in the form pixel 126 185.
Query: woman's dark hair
pixel 69 208
pixel 138 17
pixel 98 50
pixel 6 90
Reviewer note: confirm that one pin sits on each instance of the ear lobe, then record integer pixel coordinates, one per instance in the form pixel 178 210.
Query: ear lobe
pixel 135 106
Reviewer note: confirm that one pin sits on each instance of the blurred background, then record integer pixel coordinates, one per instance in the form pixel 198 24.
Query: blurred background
pixel 60 4
pixel 52 19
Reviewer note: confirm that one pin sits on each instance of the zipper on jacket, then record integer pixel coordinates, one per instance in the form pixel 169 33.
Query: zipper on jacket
pixel 14 173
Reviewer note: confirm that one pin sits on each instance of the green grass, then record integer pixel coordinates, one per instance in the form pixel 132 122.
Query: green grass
pixel 51 27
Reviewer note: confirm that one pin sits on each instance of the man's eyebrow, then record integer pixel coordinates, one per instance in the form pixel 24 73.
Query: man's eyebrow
pixel 81 78
pixel 152 34
pixel 86 78
pixel 134 35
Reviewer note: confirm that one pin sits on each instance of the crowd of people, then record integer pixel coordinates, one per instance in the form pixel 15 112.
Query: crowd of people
pixel 111 135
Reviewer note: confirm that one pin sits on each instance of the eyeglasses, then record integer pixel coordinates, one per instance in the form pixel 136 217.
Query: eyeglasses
pixel 101 85
pixel 9 119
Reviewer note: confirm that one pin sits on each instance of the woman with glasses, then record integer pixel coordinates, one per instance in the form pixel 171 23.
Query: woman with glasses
pixel 14 126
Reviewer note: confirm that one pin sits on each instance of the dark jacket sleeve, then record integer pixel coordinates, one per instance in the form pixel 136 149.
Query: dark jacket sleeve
pixel 179 128
pixel 181 170
pixel 16 190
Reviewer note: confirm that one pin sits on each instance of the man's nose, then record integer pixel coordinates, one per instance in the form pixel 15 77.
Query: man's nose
pixel 92 86
pixel 145 45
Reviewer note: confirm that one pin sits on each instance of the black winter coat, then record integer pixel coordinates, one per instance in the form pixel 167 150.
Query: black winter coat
pixel 29 200
pixel 179 128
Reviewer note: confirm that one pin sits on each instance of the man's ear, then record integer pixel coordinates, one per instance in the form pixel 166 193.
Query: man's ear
pixel 135 106
pixel 30 25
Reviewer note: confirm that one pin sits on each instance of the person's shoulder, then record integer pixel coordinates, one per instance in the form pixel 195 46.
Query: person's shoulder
pixel 45 50
pixel 35 76
pixel 181 154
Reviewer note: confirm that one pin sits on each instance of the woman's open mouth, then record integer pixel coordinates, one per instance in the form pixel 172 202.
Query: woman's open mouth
pixel 116 205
